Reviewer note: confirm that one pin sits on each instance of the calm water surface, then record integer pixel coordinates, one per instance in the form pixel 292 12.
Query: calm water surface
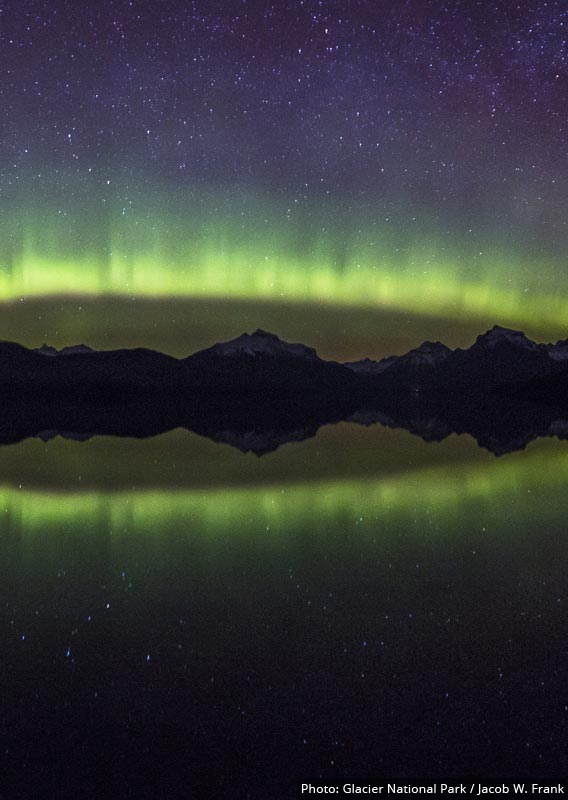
pixel 358 605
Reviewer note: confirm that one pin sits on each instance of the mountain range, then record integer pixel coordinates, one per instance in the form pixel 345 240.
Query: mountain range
pixel 257 391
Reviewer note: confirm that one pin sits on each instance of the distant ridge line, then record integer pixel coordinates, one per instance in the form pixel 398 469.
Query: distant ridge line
pixel 257 391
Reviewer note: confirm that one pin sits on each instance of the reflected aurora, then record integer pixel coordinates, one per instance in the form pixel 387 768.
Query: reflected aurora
pixel 433 496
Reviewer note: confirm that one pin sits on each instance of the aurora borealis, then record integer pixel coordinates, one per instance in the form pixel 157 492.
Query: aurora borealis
pixel 272 502
pixel 405 157
pixel 180 250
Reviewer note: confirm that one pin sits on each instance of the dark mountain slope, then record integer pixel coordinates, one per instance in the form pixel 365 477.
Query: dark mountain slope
pixel 256 392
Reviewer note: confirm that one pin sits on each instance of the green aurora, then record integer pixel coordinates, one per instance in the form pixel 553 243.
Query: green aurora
pixel 431 497
pixel 274 249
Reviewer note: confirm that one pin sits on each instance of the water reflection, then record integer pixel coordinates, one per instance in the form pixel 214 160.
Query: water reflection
pixel 448 491
pixel 361 602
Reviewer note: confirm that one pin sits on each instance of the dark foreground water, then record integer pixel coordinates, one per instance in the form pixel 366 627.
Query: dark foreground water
pixel 359 606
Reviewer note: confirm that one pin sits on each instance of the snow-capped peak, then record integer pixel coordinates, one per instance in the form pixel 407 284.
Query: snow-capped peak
pixel 499 335
pixel 48 350
pixel 366 366
pixel 431 353
pixel 559 350
pixel 428 353
pixel 263 343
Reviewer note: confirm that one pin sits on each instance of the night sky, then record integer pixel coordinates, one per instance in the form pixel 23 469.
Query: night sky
pixel 408 155
pixel 358 175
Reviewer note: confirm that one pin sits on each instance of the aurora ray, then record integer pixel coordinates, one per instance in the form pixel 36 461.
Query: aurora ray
pixel 206 250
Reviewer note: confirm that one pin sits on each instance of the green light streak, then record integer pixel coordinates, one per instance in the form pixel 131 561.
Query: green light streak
pixel 441 294
pixel 212 251
pixel 448 495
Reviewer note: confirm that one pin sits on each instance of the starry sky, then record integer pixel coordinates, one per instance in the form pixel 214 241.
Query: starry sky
pixel 407 155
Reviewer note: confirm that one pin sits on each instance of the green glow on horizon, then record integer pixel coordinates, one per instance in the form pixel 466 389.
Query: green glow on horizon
pixel 213 251
pixel 440 294
pixel 449 494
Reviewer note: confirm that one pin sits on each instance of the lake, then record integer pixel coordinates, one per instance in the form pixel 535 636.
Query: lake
pixel 359 605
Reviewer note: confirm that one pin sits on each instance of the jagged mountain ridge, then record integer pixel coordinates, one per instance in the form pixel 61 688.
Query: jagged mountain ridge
pixel 503 355
pixel 257 391
pixel 48 350
pixel 498 358
pixel 262 343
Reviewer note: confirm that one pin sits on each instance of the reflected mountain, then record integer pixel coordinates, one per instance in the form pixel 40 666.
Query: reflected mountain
pixel 257 392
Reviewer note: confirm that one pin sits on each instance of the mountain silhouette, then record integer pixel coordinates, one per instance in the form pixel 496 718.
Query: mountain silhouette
pixel 256 392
